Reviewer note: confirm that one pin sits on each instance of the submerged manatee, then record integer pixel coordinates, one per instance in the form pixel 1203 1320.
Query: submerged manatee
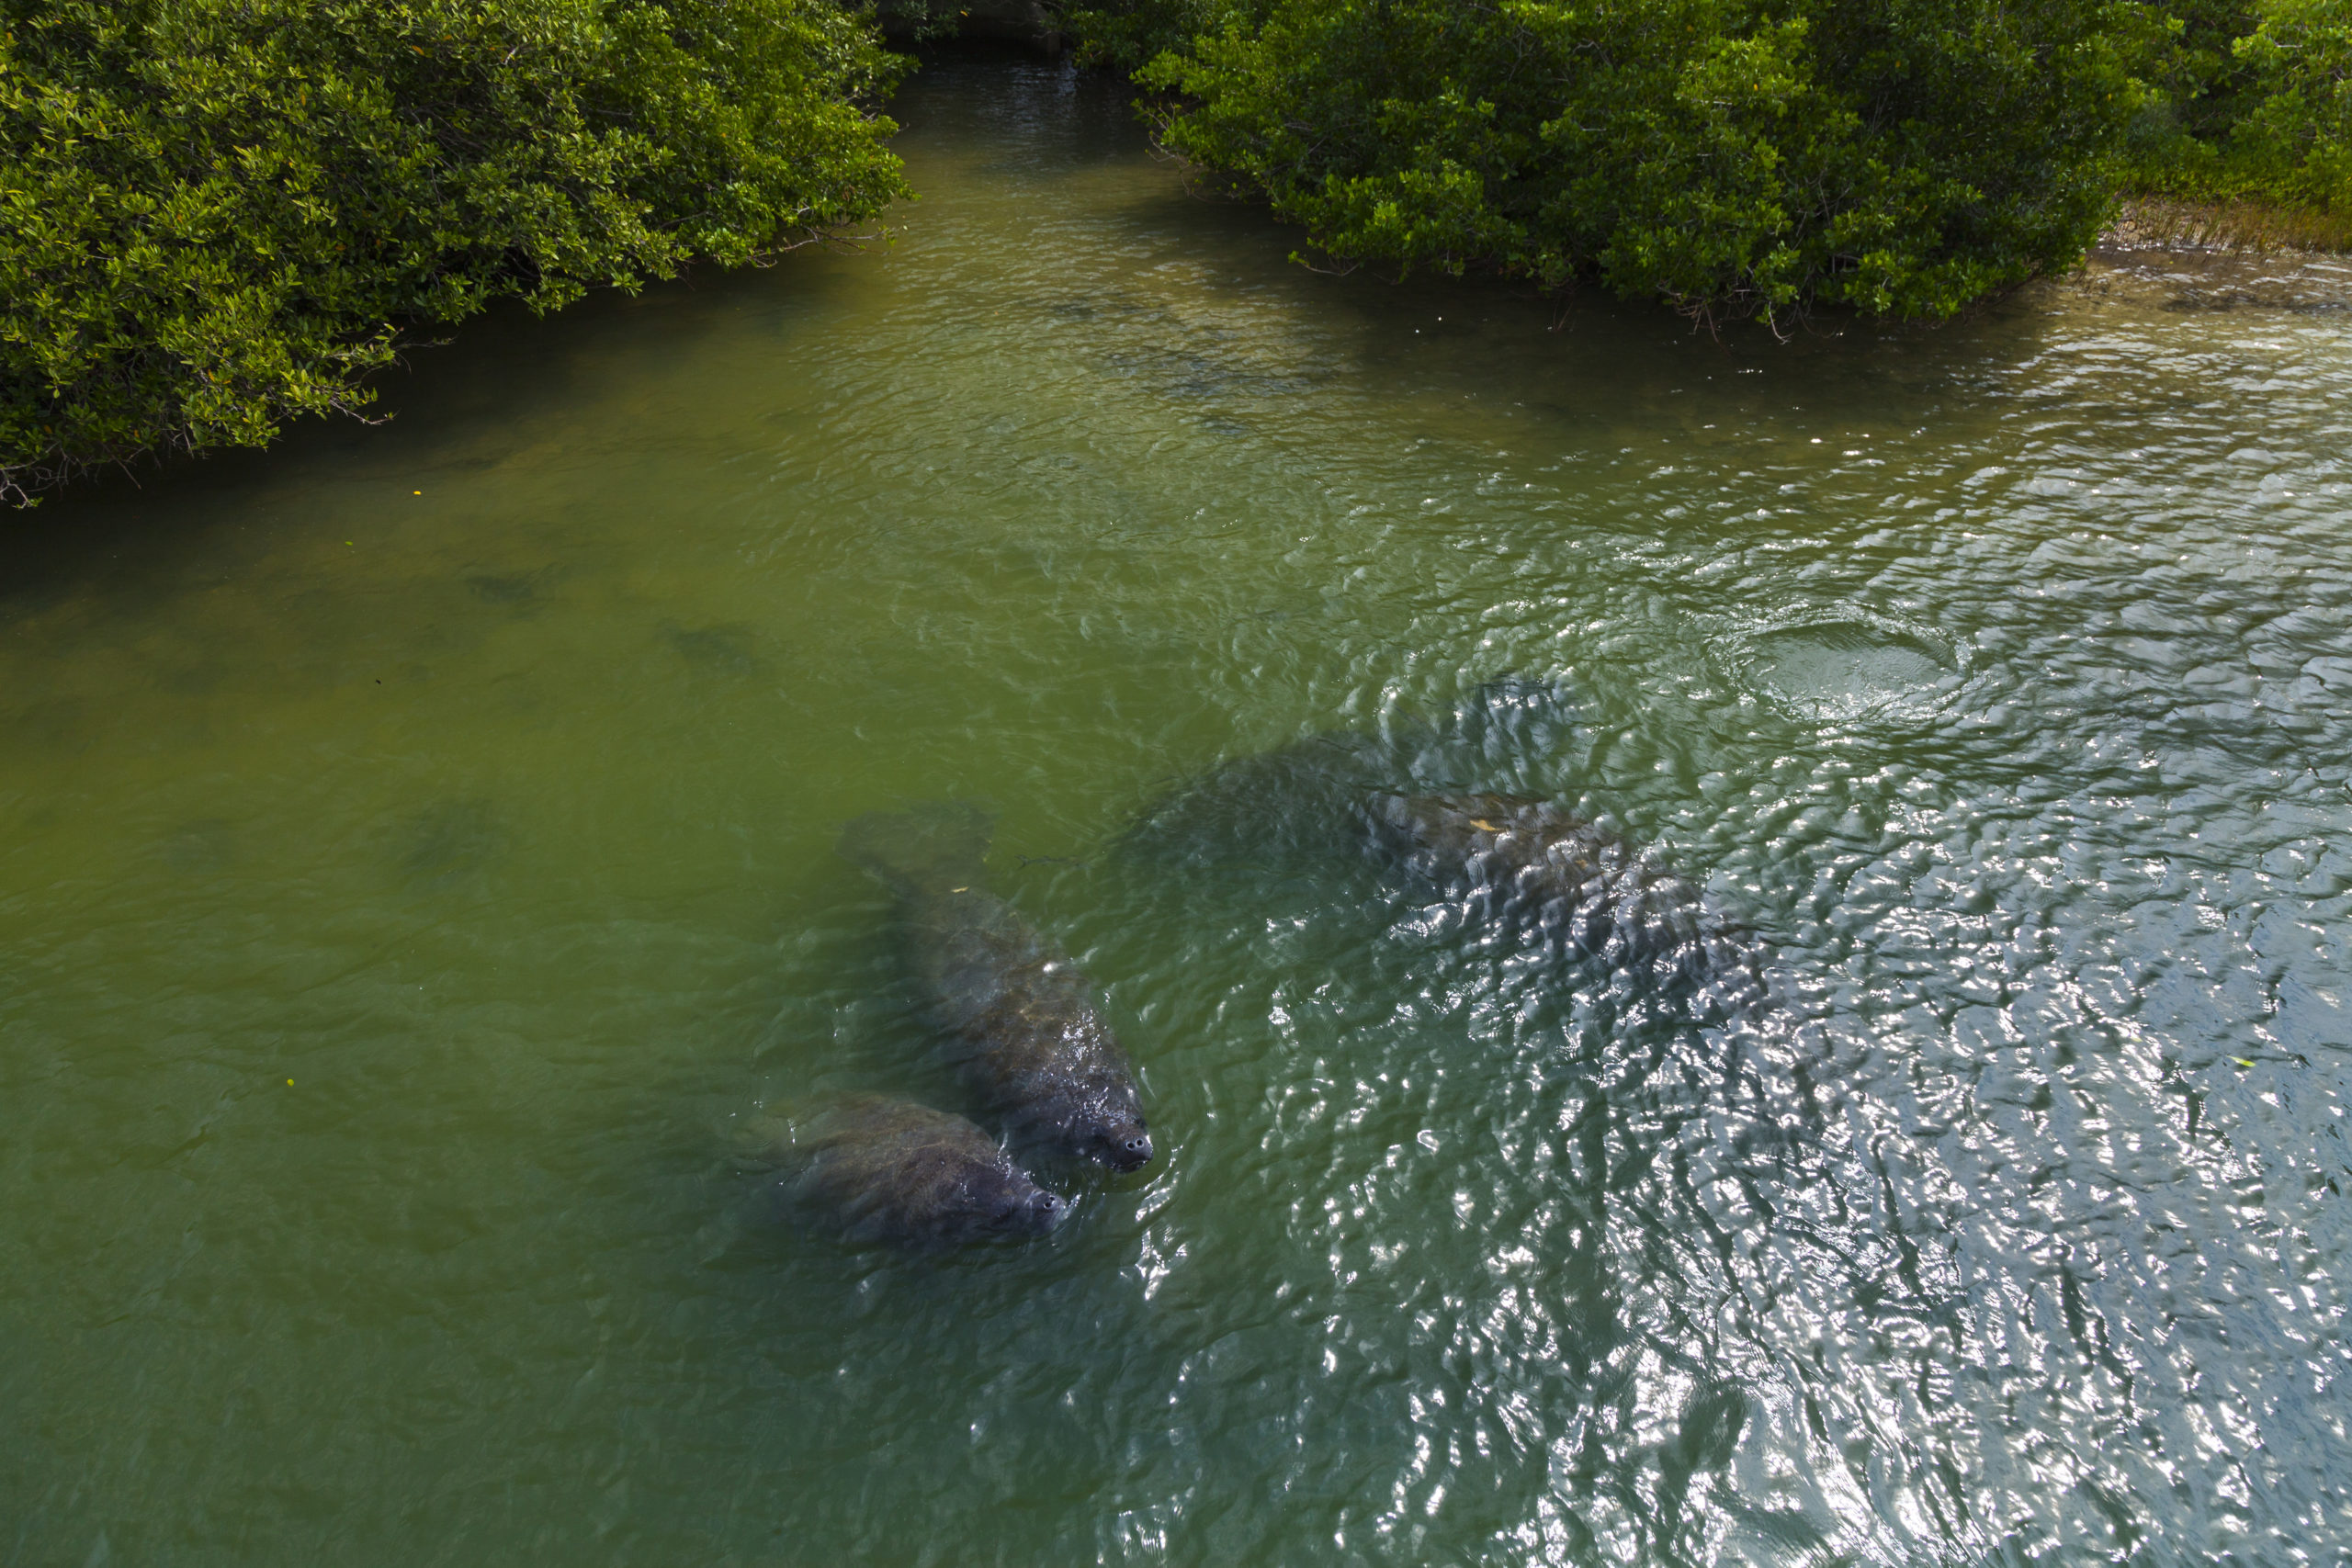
pixel 894 1171
pixel 1532 862
pixel 1264 808
pixel 1029 1041
pixel 1296 803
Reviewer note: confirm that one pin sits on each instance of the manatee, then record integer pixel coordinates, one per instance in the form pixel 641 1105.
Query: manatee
pixel 1532 862
pixel 518 591
pixel 1295 802
pixel 890 1170
pixel 1265 808
pixel 1028 1040
pixel 722 651
pixel 448 841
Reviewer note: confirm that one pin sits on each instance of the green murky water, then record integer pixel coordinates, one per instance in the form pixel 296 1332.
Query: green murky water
pixel 419 842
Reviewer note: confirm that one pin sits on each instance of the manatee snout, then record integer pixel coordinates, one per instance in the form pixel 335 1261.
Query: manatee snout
pixel 1122 1147
pixel 1014 1205
pixel 1045 1211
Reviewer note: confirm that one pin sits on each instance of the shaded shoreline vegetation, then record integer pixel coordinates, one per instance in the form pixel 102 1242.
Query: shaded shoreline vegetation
pixel 222 214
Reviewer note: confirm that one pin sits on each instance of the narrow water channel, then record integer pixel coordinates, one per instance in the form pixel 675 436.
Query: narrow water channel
pixel 419 846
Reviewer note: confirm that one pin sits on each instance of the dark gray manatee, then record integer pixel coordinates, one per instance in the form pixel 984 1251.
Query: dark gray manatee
pixel 1264 808
pixel 1296 803
pixel 890 1170
pixel 1027 1038
pixel 1534 862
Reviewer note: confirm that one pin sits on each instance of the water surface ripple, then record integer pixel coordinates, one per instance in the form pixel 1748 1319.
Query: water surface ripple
pixel 420 841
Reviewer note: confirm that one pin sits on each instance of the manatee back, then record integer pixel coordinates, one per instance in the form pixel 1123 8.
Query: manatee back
pixel 895 1171
pixel 1288 802
pixel 1530 860
pixel 1512 724
pixel 923 849
pixel 1061 1079
pixel 1298 800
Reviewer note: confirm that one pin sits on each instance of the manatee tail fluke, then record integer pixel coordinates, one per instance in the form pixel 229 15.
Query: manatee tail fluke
pixel 940 844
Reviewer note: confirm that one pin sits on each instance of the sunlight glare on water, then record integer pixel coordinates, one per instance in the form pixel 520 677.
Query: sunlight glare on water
pixel 419 845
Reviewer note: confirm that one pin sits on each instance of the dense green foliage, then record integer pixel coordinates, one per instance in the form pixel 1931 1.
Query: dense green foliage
pixel 219 213
pixel 2255 102
pixel 1129 34
pixel 1900 156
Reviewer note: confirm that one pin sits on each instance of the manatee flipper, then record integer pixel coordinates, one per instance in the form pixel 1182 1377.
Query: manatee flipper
pixel 939 844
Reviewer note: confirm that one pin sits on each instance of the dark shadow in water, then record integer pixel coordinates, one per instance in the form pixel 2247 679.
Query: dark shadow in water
pixel 520 591
pixel 716 651
pixel 448 842
pixel 1301 802
pixel 202 848
pixel 53 724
